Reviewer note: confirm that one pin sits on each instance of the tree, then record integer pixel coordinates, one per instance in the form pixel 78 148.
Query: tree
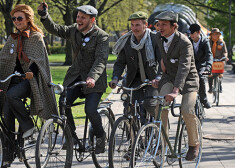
pixel 5 9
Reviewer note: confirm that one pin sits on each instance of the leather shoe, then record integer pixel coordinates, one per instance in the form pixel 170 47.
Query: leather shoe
pixel 100 144
pixel 210 90
pixel 207 105
pixel 192 152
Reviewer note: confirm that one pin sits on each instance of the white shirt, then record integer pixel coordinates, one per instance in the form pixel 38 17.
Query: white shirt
pixel 167 45
pixel 196 45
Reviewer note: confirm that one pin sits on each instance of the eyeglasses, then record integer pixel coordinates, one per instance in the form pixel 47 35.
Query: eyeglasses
pixel 19 18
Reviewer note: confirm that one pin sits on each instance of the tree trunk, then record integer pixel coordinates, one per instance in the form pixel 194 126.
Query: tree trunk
pixel 52 40
pixel 68 21
pixel 8 23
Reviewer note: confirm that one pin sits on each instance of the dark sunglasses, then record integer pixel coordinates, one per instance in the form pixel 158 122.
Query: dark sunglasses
pixel 17 18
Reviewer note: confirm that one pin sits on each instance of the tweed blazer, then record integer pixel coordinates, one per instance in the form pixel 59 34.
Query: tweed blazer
pixel 42 97
pixel 179 63
pixel 129 57
pixel 203 57
pixel 221 49
pixel 90 60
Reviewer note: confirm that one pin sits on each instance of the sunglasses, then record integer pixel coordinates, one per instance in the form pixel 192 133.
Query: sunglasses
pixel 17 18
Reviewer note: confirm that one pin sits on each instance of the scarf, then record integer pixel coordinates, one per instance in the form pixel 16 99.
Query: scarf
pixel 19 36
pixel 146 40
pixel 213 49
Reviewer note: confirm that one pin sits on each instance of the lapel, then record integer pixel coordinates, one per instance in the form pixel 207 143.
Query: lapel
pixel 173 43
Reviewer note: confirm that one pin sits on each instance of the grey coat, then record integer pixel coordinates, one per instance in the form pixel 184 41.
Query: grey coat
pixel 221 49
pixel 129 57
pixel 89 60
pixel 182 73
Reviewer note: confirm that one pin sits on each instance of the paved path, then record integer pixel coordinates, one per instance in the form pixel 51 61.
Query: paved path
pixel 219 127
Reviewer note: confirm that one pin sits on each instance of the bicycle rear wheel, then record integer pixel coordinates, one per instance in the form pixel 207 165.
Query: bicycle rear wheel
pixel 54 145
pixel 121 139
pixel 148 149
pixel 183 147
pixel 101 160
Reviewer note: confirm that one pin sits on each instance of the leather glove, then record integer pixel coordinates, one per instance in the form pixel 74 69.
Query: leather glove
pixel 43 9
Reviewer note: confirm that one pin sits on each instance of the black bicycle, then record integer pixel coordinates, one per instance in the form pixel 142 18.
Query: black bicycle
pixel 217 69
pixel 56 141
pixel 24 148
pixel 125 129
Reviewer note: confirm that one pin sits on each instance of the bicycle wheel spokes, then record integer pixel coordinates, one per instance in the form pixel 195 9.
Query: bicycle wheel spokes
pixel 121 139
pixel 148 149
pixel 183 147
pixel 54 145
pixel 29 149
pixel 101 160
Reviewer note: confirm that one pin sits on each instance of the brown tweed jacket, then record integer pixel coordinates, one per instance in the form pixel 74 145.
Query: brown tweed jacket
pixel 42 97
pixel 90 60
pixel 180 64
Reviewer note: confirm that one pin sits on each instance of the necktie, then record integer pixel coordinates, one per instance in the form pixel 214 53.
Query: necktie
pixel 141 65
pixel 164 39
pixel 18 36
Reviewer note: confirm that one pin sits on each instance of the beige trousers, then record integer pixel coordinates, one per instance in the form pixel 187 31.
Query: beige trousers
pixel 187 110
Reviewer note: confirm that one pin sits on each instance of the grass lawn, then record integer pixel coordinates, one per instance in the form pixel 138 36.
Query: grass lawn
pixel 58 74
pixel 61 58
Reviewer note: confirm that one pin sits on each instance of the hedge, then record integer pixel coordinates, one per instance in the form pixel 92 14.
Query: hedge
pixel 57 49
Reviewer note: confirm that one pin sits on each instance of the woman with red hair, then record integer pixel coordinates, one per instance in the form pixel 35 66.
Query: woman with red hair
pixel 25 52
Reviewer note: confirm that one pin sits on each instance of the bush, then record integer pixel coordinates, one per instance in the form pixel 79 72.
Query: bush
pixel 57 49
pixel 1 46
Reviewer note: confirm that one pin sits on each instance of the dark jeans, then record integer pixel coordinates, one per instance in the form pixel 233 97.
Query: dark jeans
pixel 91 103
pixel 202 89
pixel 14 106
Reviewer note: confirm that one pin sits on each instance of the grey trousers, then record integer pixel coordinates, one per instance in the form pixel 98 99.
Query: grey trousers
pixel 187 110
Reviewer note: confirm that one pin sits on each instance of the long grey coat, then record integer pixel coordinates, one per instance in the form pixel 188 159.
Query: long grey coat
pixel 90 60
pixel 182 73
pixel 42 97
pixel 129 57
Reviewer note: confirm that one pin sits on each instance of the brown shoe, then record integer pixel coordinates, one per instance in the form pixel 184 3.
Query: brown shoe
pixel 192 152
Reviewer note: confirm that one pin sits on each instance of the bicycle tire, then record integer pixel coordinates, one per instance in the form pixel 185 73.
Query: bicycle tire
pixel 183 147
pixel 218 92
pixel 121 139
pixel 101 160
pixel 28 146
pixel 148 149
pixel 52 138
pixel 1 148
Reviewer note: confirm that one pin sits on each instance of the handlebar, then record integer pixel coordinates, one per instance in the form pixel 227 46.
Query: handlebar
pixel 10 76
pixel 219 60
pixel 136 88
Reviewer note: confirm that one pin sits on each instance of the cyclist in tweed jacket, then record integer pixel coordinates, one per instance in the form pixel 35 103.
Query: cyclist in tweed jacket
pixel 25 52
pixel 91 48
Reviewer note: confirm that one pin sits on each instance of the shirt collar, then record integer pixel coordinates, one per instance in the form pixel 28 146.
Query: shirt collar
pixel 89 30
pixel 170 38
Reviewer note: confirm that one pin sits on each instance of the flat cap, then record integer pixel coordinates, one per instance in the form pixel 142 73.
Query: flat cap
pixel 167 15
pixel 138 15
pixel 215 30
pixel 194 28
pixel 88 9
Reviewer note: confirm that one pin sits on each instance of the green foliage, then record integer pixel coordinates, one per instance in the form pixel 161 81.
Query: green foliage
pixel 57 49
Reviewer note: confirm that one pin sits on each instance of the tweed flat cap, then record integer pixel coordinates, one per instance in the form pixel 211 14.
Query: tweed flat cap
pixel 88 9
pixel 138 15
pixel 167 15
pixel 194 28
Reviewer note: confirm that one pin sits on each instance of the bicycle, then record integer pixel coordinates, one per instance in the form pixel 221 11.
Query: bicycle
pixel 24 149
pixel 217 69
pixel 125 129
pixel 149 149
pixel 55 142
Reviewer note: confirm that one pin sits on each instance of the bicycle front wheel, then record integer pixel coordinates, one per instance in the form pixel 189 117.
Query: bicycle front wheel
pixel 148 149
pixel 101 160
pixel 120 144
pixel 54 145
pixel 1 148
pixel 183 147
pixel 216 91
